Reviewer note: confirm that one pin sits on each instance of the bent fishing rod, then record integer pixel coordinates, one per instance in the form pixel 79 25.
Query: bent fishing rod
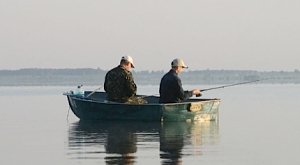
pixel 247 82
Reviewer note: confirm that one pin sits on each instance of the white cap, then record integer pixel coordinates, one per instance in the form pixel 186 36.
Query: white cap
pixel 178 62
pixel 129 59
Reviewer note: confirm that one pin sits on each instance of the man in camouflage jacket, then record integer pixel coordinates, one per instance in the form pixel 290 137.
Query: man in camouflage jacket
pixel 119 84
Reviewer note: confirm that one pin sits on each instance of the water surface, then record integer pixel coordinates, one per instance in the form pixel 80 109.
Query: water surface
pixel 258 125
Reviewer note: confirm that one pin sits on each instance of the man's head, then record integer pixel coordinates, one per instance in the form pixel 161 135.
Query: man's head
pixel 178 65
pixel 127 62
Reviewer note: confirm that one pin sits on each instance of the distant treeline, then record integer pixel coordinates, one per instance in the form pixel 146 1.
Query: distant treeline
pixel 89 76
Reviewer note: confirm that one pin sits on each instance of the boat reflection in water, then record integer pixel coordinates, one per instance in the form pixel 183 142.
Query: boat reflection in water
pixel 123 142
pixel 174 136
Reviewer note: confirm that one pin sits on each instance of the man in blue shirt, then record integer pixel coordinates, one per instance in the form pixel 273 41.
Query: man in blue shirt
pixel 170 88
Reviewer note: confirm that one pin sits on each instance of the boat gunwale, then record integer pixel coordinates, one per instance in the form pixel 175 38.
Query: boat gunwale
pixel 192 100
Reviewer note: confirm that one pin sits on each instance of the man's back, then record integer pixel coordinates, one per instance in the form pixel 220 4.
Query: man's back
pixel 119 84
pixel 170 88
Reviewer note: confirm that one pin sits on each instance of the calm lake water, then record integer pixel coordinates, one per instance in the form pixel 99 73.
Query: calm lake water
pixel 259 124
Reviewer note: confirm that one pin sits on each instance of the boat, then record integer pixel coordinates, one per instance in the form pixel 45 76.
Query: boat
pixel 94 106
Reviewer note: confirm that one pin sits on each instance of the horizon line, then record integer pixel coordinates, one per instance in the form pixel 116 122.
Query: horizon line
pixel 135 70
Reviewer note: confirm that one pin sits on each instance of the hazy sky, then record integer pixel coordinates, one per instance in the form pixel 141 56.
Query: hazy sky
pixel 207 34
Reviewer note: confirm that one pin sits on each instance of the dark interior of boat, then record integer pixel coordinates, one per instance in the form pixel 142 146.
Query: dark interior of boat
pixel 101 96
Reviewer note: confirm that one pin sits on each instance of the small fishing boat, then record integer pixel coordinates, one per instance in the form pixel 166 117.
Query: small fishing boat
pixel 94 106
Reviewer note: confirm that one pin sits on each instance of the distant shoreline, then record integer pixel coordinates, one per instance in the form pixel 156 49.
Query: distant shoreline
pixel 89 76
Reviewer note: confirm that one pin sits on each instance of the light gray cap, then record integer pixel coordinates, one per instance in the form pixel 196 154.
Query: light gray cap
pixel 178 62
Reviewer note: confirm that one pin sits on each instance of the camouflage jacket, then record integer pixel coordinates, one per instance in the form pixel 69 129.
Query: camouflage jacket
pixel 119 84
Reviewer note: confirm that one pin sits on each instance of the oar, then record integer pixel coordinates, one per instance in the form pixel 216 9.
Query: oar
pixel 93 92
pixel 247 82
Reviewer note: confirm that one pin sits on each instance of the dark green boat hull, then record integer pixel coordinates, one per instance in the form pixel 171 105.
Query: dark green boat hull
pixel 97 108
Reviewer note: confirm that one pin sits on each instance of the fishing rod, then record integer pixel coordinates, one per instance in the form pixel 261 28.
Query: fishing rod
pixel 207 89
pixel 93 92
pixel 247 82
